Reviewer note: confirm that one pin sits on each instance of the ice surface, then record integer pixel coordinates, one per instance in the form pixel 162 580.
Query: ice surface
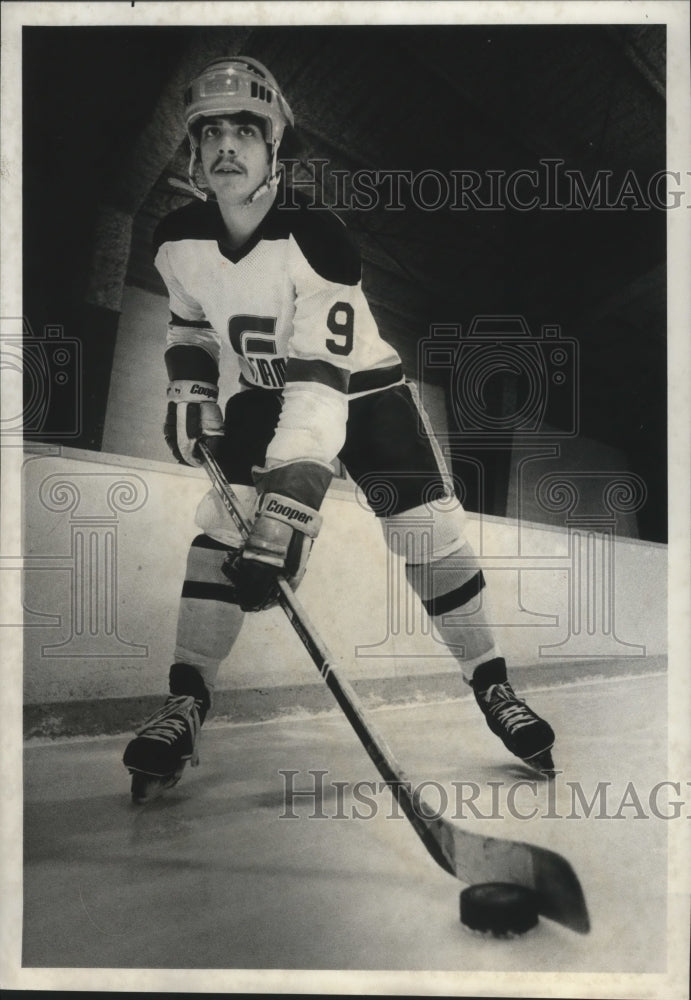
pixel 215 876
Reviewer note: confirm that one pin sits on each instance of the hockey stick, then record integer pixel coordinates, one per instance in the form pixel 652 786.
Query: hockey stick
pixel 470 857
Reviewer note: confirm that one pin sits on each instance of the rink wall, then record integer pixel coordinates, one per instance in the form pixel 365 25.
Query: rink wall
pixel 105 545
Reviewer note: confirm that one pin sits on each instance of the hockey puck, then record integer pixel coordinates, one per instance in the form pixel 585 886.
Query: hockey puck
pixel 499 909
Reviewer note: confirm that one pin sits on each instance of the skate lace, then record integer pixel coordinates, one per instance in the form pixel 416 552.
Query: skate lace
pixel 509 710
pixel 171 721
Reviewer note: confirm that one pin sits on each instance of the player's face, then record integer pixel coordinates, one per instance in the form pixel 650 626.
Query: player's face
pixel 234 155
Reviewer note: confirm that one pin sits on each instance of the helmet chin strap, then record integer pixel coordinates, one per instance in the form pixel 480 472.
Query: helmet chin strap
pixel 269 185
pixel 193 187
pixel 266 187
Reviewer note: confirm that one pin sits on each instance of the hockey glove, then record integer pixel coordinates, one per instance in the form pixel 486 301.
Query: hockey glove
pixel 285 526
pixel 193 410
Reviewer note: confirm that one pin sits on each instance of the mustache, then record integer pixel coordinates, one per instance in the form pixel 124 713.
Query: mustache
pixel 226 161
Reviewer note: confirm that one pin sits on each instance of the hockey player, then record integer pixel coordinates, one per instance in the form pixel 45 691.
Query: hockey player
pixel 279 285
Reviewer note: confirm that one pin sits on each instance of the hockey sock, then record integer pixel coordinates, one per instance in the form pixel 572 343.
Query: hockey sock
pixel 209 621
pixel 183 680
pixel 451 592
pixel 489 673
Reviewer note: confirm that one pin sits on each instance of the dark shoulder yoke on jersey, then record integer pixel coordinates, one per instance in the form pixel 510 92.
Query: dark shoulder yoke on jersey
pixel 198 220
pixel 322 237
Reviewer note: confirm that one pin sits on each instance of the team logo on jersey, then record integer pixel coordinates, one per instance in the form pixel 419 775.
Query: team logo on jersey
pixel 268 372
pixel 254 339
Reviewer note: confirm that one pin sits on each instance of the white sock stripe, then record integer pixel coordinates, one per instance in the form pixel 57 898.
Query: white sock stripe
pixel 468 666
pixel 426 533
pixel 206 665
pixel 443 575
pixel 206 633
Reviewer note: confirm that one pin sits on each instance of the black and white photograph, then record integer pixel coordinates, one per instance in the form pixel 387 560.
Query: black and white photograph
pixel 345 498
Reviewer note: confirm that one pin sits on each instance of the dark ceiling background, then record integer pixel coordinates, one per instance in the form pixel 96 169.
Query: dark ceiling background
pixel 442 98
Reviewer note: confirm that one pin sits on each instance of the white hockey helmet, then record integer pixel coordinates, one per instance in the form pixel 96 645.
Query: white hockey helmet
pixel 233 84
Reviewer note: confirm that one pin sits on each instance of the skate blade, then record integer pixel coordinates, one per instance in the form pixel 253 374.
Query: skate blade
pixel 542 763
pixel 147 787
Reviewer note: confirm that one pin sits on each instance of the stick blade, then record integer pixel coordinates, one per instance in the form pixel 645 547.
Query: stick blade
pixel 475 859
pixel 559 892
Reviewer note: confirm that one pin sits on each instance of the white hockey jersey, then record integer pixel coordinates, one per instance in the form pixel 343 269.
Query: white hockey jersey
pixel 290 304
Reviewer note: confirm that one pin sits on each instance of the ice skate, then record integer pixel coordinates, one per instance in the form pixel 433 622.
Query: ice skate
pixel 521 731
pixel 164 744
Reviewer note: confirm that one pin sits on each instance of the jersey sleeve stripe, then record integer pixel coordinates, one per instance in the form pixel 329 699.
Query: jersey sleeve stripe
pixel 195 324
pixel 375 378
pixel 300 370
